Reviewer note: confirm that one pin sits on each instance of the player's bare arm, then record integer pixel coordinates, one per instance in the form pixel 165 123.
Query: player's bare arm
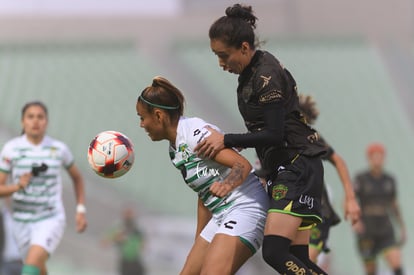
pixel 240 169
pixel 351 206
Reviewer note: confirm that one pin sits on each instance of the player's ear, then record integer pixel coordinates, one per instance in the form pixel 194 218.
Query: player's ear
pixel 158 115
pixel 245 47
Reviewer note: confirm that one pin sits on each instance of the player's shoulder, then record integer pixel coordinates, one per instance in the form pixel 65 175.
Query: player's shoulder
pixel 13 142
pixel 194 123
pixel 193 129
pixel 268 63
pixel 388 176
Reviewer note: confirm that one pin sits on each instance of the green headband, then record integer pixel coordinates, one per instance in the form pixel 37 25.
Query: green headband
pixel 158 105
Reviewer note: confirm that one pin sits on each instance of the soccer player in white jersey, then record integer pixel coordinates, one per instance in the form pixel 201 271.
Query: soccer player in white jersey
pixel 232 203
pixel 32 163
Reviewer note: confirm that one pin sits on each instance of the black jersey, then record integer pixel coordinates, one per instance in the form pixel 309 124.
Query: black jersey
pixel 329 151
pixel 376 196
pixel 269 104
pixel 328 213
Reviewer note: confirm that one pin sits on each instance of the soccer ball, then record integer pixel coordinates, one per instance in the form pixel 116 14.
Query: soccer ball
pixel 111 154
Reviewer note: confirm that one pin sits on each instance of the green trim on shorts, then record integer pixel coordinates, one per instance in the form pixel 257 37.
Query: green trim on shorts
pixel 30 270
pixel 248 244
pixel 220 208
pixel 304 227
pixel 384 250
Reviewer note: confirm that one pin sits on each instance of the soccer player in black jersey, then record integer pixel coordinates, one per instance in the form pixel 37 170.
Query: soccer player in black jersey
pixel 288 148
pixel 320 233
pixel 377 194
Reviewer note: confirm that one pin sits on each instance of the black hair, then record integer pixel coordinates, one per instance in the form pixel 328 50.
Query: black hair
pixel 307 106
pixel 30 104
pixel 236 27
pixel 163 95
pixel 34 103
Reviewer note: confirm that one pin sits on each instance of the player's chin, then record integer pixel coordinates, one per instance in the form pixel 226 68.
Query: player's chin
pixel 154 138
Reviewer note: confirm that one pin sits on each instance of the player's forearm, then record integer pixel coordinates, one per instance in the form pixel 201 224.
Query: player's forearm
pixel 8 190
pixel 79 192
pixel 344 176
pixel 78 185
pixel 397 214
pixel 236 176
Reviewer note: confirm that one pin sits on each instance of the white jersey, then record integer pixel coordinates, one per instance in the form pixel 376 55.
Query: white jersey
pixel 199 174
pixel 42 198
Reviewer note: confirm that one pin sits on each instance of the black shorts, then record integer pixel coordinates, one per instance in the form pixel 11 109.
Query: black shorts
pixel 297 190
pixel 375 241
pixel 131 267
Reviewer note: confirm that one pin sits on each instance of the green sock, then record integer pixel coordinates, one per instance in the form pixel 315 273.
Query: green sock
pixel 30 270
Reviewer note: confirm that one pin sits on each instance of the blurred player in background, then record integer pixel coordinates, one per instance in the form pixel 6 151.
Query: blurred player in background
pixel 129 241
pixel 287 147
pixel 320 233
pixel 232 203
pixel 33 162
pixel 377 194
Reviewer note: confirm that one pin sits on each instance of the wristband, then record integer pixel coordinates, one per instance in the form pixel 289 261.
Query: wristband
pixel 80 208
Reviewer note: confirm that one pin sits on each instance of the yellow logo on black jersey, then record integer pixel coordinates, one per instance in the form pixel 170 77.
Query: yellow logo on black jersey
pixel 265 80
pixel 271 96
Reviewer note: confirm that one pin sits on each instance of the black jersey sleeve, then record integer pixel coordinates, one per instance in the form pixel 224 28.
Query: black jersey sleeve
pixel 271 134
pixel 329 150
pixel 269 87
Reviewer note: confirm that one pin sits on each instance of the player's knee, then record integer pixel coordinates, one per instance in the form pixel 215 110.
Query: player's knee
pixel 30 270
pixel 275 250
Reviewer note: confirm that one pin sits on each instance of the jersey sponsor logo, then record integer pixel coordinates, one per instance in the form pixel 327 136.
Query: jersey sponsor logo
pixel 279 191
pixel 205 172
pixel 230 224
pixel 272 96
pixel 265 80
pixel 306 200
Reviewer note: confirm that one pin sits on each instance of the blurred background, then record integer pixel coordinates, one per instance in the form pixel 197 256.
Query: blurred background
pixel 88 60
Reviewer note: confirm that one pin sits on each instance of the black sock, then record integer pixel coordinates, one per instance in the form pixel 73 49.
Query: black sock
pixel 302 253
pixel 276 253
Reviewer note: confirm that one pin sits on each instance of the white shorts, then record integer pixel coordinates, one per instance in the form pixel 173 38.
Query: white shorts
pixel 45 233
pixel 245 220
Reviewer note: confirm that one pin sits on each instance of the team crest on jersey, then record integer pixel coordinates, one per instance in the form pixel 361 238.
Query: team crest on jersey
pixel 183 149
pixel 279 192
pixel 53 152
